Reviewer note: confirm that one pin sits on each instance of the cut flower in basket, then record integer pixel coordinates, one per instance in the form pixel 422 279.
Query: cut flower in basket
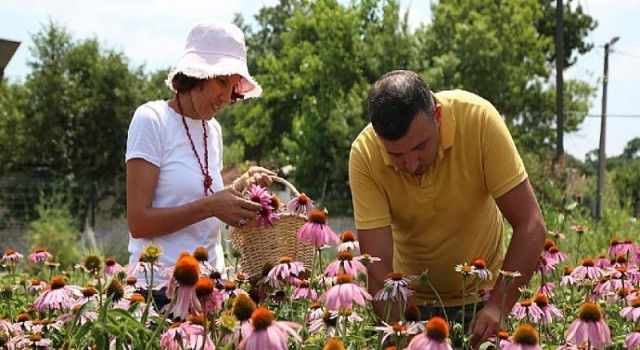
pixel 270 205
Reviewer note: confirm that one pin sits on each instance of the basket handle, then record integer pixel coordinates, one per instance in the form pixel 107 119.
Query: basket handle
pixel 287 184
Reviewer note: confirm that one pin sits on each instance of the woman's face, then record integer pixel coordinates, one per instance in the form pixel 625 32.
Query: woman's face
pixel 213 94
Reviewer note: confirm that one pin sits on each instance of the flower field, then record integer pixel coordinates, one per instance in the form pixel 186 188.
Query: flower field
pixel 573 302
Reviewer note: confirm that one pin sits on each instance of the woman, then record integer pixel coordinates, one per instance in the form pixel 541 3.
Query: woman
pixel 175 195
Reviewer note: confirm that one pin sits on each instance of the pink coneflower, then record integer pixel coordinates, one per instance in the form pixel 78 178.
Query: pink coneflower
pixel 567 277
pixel 579 229
pixel 138 305
pixel 315 311
pixel 398 331
pixel 549 311
pixel 348 242
pixel 527 308
pixel 546 266
pixel 300 204
pixel 546 288
pixel 632 341
pixel 614 247
pixel 85 316
pixel 435 338
pixel 555 254
pixel 556 234
pixel 328 321
pixel 11 255
pixel 304 291
pixel 36 286
pixel 202 255
pixel 503 339
pixel 182 286
pixel 40 255
pixel 259 195
pixel 230 289
pixel 344 294
pixel 589 327
pixel 111 267
pixel 481 270
pixel 59 296
pixel 284 270
pixel 602 262
pixel 195 336
pixel 30 341
pixel 632 312
pixel 524 337
pixel 267 333
pixel 396 287
pixel 210 298
pixel 172 339
pixel 367 259
pixel 316 230
pixel 587 269
pixel 345 264
pixel 7 327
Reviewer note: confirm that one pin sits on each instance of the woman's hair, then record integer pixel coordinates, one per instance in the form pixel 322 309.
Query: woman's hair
pixel 395 99
pixel 183 83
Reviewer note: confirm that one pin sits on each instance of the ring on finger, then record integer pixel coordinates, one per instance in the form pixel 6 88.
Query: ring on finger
pixel 242 222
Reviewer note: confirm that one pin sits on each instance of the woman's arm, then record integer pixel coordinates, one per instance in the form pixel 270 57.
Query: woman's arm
pixel 144 221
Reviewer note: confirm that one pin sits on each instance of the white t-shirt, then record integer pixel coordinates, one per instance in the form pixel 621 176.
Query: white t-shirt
pixel 157 135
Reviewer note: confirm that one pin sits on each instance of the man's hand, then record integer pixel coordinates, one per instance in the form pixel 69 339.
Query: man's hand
pixel 484 325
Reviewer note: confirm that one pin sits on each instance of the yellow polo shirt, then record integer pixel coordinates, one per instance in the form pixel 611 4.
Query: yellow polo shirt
pixel 448 216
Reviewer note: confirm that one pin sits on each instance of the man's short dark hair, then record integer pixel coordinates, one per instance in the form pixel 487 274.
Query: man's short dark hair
pixel 394 101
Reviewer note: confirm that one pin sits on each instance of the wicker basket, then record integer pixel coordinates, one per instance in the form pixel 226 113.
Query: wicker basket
pixel 260 245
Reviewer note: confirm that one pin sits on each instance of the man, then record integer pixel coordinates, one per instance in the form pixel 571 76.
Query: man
pixel 431 178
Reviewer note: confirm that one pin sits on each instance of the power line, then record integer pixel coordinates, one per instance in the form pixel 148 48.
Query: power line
pixel 627 54
pixel 608 115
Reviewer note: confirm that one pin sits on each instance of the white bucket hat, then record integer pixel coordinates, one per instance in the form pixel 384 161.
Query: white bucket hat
pixel 216 48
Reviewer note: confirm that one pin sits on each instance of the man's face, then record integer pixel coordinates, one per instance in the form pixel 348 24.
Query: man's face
pixel 416 151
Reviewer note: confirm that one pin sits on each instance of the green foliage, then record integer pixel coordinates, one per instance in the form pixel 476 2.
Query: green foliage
pixel 56 229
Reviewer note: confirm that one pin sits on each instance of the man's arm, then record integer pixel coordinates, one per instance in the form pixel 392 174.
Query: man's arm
pixel 520 207
pixel 377 243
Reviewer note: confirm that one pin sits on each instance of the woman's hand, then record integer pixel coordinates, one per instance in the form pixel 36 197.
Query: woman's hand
pixel 232 208
pixel 254 176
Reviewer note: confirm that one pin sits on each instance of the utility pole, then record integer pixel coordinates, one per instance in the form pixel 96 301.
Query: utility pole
pixel 559 159
pixel 603 129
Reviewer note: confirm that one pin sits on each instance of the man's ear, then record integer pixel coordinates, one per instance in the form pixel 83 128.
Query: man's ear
pixel 438 114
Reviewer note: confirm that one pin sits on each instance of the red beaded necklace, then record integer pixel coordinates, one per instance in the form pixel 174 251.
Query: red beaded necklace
pixel 208 181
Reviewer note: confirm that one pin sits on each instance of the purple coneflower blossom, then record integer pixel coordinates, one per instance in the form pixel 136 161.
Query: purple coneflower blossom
pixel 267 333
pixel 503 339
pixel 59 296
pixel 182 286
pixel 435 338
pixel 230 289
pixel 315 311
pixel 344 294
pixel 632 341
pixel 481 270
pixel 259 194
pixel 549 311
pixel 304 291
pixel 194 334
pixel 86 315
pixel 40 255
pixel 30 341
pixel 172 338
pixel 567 277
pixel 11 256
pixel 8 328
pixel 328 321
pixel 345 264
pixel 527 308
pixel 210 298
pixel 587 270
pixel 284 270
pixel 602 262
pixel 300 204
pixel 348 242
pixel 546 288
pixel 36 286
pixel 111 267
pixel 397 330
pixel 202 255
pixel 524 337
pixel 632 312
pixel 589 327
pixel 546 266
pixel 555 254
pixel 316 231
pixel 396 287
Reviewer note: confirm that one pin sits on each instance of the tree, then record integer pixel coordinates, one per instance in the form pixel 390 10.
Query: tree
pixel 73 115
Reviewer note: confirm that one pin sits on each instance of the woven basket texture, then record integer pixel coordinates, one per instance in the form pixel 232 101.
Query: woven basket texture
pixel 261 245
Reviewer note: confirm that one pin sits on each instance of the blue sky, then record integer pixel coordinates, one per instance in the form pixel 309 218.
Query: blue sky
pixel 152 32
